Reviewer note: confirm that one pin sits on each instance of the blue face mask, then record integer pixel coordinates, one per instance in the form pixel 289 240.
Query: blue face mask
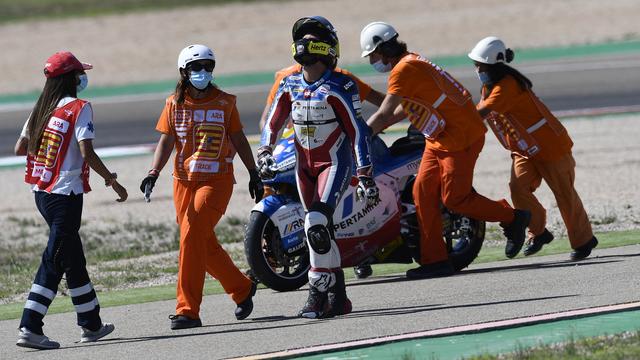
pixel 484 77
pixel 381 67
pixel 84 81
pixel 200 79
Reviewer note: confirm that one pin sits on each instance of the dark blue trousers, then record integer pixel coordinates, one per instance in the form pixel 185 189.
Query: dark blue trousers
pixel 63 256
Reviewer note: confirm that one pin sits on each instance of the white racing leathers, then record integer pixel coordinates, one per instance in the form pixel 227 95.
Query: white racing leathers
pixel 329 133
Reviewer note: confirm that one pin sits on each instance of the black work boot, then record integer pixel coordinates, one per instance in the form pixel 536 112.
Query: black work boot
pixel 245 308
pixel 584 250
pixel 515 232
pixel 339 303
pixel 433 270
pixel 363 271
pixel 537 242
pixel 316 305
pixel 183 322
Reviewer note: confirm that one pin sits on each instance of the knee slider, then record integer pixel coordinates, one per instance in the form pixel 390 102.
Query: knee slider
pixel 319 238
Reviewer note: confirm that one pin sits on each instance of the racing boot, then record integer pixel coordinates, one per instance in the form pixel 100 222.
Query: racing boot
pixel 339 303
pixel 316 305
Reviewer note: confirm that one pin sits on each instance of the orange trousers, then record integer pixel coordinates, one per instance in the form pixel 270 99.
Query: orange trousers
pixel 199 207
pixel 447 178
pixel 526 177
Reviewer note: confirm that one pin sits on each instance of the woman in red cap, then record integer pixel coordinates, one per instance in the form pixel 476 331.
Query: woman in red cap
pixel 57 139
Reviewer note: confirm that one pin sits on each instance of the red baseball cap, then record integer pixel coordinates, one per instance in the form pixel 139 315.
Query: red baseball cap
pixel 63 62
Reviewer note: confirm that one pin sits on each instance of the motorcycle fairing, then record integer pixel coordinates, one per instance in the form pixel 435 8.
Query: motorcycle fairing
pixel 354 218
pixel 287 215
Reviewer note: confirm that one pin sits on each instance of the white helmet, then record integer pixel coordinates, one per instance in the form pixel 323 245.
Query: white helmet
pixel 193 53
pixel 489 50
pixel 375 34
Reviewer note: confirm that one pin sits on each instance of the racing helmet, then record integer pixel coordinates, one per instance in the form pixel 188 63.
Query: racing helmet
pixel 195 52
pixel 489 50
pixel 374 34
pixel 307 51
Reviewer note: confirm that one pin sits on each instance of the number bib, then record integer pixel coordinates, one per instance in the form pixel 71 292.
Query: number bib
pixel 424 118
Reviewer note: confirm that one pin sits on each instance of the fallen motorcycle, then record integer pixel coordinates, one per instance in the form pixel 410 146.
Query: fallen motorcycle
pixel 384 232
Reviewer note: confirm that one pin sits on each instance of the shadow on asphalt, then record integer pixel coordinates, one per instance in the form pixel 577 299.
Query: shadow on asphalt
pixel 195 332
pixel 433 307
pixel 544 265
pixel 557 264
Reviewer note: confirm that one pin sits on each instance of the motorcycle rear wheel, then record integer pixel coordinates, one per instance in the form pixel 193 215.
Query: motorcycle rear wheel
pixel 267 259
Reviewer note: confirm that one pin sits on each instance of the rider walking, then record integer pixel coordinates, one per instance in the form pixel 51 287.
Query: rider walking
pixel 441 108
pixel 325 108
pixel 366 92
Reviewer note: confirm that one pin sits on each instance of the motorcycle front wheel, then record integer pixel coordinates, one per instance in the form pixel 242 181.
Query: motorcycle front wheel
pixel 269 262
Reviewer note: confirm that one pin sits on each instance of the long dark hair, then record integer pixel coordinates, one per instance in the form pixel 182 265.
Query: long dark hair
pixel 392 48
pixel 55 88
pixel 181 86
pixel 499 70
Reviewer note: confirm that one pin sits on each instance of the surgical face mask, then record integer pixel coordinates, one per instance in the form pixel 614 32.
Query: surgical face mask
pixel 200 79
pixel 381 67
pixel 484 77
pixel 84 81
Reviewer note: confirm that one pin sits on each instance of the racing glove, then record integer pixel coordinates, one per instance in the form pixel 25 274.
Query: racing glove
pixel 367 190
pixel 148 183
pixel 256 189
pixel 266 163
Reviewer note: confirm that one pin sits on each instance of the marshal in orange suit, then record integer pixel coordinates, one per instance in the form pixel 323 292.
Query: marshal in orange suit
pixel 442 109
pixel 540 147
pixel 203 125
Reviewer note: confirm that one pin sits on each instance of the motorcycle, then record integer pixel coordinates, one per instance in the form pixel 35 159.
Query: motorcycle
pixel 384 232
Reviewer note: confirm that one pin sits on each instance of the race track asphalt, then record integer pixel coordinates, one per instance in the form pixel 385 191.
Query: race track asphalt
pixel 381 306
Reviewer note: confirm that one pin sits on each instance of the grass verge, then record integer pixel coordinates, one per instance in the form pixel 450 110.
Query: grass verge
pixel 167 292
pixel 619 346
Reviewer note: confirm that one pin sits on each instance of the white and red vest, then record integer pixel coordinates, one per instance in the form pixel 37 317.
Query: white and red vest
pixel 43 168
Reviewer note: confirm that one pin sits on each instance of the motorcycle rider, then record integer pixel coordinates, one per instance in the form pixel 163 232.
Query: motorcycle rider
pixel 325 108
pixel 442 109
pixel 367 93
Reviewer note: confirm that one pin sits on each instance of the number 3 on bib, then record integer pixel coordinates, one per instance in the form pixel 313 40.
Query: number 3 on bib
pixel 208 139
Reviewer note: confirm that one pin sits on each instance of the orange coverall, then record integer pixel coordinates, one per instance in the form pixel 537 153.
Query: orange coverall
pixel 554 162
pixel 203 183
pixel 446 169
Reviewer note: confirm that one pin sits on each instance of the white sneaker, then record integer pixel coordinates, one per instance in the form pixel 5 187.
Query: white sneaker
pixel 91 336
pixel 28 339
